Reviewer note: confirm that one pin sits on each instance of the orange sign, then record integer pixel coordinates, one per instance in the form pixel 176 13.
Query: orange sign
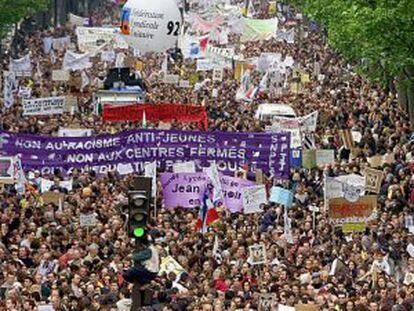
pixel 341 210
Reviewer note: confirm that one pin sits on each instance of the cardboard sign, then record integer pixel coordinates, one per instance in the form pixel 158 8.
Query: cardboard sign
pixel 71 104
pixel 342 211
pixel 347 139
pixel 60 75
pixel 380 160
pixel 309 158
pixel 259 177
pixel 267 302
pixel 373 180
pixel 87 220
pixel 257 254
pixel 53 198
pixel 306 307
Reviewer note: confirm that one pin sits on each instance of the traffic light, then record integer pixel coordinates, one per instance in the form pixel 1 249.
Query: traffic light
pixel 139 207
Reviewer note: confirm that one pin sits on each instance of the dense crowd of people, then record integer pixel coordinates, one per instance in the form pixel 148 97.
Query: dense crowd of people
pixel 47 258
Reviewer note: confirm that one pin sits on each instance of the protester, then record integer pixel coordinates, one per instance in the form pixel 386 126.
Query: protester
pixel 48 258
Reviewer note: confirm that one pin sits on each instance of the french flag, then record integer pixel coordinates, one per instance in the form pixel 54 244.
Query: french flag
pixel 208 214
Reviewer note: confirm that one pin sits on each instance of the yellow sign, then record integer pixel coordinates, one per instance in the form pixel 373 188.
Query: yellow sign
pixel 304 77
pixel 193 79
pixel 353 227
pixel 169 264
pixel 272 7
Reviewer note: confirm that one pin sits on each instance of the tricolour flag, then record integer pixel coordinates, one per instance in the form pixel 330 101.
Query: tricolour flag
pixel 208 214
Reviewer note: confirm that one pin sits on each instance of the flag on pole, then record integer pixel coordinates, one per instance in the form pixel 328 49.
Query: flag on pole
pixel 208 214
pixel 216 251
pixel 347 139
pixel 150 170
pixel 144 120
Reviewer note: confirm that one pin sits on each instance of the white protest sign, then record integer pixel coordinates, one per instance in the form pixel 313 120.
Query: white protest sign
pixel 325 156
pixel 150 170
pixel 221 57
pixel 90 38
pixel 351 187
pixel 253 198
pixel 291 126
pixel 218 74
pixel 61 44
pixel 151 25
pixel 60 75
pixel 184 84
pixel 266 59
pixel 45 308
pixel 75 61
pixel 75 20
pixel 281 307
pixel 125 169
pixel 257 254
pixel 171 79
pixel 308 123
pixel 314 208
pixel 410 249
pixel 8 86
pixel 184 167
pixel 46 184
pixel 108 56
pixel 43 106
pixel 70 132
pixel 87 220
pixel 204 65
pixel 22 67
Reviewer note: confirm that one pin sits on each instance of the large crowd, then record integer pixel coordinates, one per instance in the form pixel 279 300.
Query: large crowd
pixel 47 258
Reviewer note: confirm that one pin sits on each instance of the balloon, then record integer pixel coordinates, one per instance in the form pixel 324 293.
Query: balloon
pixel 151 25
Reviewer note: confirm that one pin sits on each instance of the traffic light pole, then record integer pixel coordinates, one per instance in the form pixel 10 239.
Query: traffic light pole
pixel 136 288
pixel 139 214
pixel 136 297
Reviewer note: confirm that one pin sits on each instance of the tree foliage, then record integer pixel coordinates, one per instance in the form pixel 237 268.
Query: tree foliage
pixel 378 32
pixel 13 11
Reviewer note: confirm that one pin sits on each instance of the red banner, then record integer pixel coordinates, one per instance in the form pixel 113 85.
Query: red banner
pixel 156 112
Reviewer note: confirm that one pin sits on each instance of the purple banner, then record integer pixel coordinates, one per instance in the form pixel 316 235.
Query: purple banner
pixel 232 192
pixel 183 189
pixel 103 153
pixel 187 190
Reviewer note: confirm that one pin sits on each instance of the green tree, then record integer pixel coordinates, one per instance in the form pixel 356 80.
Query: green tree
pixel 377 33
pixel 12 11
